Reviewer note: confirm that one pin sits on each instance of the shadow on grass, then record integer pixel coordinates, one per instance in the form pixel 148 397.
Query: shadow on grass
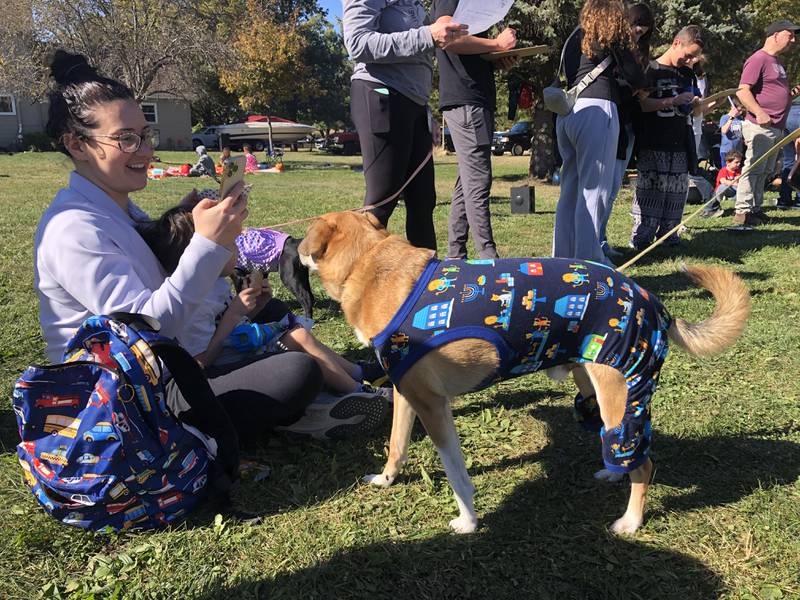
pixel 549 538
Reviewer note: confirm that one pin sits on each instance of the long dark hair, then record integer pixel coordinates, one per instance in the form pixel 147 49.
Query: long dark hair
pixel 640 14
pixel 79 90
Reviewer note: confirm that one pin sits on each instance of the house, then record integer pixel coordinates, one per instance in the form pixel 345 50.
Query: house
pixel 170 116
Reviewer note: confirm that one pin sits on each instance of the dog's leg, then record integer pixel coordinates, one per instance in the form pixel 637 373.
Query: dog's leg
pixel 587 388
pixel 612 397
pixel 437 417
pixel 628 523
pixel 402 422
pixel 294 276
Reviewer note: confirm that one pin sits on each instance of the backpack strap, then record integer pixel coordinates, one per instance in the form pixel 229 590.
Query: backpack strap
pixel 593 74
pixel 206 412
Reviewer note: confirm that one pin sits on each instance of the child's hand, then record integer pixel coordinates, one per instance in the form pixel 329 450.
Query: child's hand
pixel 245 302
pixel 264 296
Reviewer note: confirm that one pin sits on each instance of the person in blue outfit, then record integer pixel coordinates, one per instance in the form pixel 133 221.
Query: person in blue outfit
pixel 785 200
pixel 541 313
pixel 730 128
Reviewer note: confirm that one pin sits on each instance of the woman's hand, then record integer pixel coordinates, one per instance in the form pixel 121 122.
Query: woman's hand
pixel 444 31
pixel 221 221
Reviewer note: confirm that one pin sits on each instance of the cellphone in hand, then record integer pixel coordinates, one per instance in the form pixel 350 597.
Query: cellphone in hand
pixel 232 173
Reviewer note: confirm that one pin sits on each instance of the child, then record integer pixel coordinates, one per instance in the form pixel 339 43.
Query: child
pixel 251 166
pixel 208 338
pixel 727 178
pixel 226 154
pixel 204 164
pixel 730 128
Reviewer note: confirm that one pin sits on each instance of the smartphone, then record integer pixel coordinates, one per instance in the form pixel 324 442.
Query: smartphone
pixel 232 173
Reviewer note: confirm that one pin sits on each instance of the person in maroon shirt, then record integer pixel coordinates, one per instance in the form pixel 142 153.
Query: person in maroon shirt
pixel 764 91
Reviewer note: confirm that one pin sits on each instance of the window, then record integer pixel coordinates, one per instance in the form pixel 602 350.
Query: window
pixel 7 105
pixel 150 112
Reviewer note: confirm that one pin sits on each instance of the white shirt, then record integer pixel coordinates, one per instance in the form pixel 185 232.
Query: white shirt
pixel 89 259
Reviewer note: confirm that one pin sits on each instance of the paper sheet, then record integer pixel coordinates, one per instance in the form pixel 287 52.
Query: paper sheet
pixel 481 14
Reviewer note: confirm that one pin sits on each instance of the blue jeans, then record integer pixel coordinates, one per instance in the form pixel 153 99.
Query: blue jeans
pixel 785 194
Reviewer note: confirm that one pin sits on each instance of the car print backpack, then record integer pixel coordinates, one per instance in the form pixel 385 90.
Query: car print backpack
pixel 100 448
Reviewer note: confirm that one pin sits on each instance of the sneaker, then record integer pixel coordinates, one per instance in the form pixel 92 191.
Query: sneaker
pixel 374 374
pixel 747 219
pixel 610 251
pixel 762 217
pixel 386 392
pixel 332 417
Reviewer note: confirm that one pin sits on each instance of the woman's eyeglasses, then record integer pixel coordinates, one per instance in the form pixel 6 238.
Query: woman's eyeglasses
pixel 131 142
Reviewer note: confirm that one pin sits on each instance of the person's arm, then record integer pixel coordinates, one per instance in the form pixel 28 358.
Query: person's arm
pixel 470 44
pixel 364 43
pixel 239 307
pixel 655 104
pixel 725 123
pixel 746 97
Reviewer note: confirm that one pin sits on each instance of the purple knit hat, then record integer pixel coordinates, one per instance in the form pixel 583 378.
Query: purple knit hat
pixel 260 249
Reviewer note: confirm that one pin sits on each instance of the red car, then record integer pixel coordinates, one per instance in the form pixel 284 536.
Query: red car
pixel 166 501
pixel 42 469
pixel 50 401
pixel 115 507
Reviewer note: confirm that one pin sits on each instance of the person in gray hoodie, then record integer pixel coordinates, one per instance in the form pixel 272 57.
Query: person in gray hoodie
pixel 392 46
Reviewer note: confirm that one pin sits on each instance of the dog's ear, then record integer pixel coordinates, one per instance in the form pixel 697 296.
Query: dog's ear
pixel 374 220
pixel 316 240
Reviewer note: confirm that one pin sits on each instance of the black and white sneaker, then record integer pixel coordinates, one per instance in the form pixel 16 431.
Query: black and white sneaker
pixel 332 417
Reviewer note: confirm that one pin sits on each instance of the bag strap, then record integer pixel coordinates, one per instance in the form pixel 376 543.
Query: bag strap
pixel 592 75
pixel 563 50
pixel 206 412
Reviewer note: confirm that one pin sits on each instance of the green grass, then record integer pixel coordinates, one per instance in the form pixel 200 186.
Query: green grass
pixel 723 516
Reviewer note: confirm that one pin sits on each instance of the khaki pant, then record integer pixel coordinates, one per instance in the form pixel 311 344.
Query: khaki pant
pixel 750 191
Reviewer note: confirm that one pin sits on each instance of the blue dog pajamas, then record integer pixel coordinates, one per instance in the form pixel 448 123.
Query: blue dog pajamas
pixel 540 313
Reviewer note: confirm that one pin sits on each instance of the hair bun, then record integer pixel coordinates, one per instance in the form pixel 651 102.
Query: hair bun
pixel 67 68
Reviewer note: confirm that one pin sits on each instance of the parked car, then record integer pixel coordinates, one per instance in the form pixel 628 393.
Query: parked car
pixel 341 142
pixel 208 137
pixel 516 140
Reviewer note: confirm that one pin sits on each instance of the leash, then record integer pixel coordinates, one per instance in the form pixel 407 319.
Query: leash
pixel 369 206
pixel 774 150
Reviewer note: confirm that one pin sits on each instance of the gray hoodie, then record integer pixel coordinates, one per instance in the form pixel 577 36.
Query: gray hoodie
pixel 391 44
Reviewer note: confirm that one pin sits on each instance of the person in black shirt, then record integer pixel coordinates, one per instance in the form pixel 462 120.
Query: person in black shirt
pixel 587 136
pixel 664 135
pixel 468 102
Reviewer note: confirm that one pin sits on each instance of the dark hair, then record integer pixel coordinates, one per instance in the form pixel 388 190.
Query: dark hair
pixel 169 235
pixel 246 148
pixel 80 89
pixel 691 34
pixel 731 154
pixel 640 14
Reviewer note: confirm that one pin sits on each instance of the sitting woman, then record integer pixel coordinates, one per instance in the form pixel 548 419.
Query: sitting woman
pixel 209 337
pixel 90 259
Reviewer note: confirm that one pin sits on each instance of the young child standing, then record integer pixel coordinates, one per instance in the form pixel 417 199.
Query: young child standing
pixel 727 179
pixel 208 338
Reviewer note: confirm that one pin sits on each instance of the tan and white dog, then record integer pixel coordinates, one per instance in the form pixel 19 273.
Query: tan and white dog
pixel 371 272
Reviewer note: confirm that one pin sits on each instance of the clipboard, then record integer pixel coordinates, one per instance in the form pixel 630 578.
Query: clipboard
pixel 720 95
pixel 516 52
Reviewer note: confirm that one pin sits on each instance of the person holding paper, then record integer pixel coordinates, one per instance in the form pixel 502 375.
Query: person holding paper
pixel 392 46
pixel 599 52
pixel 467 97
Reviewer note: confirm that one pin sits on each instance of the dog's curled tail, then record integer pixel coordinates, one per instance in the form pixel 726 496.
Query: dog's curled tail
pixel 726 324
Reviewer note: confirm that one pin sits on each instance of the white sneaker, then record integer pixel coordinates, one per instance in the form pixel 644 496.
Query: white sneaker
pixel 332 417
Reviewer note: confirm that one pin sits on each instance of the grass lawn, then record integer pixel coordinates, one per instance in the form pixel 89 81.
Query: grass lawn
pixel 723 516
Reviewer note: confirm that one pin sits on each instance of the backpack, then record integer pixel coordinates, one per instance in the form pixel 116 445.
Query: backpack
pixel 100 448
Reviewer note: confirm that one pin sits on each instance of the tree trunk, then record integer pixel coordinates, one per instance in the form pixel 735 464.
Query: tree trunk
pixel 544 155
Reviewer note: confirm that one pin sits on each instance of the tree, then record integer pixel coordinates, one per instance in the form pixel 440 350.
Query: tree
pixel 22 64
pixel 265 67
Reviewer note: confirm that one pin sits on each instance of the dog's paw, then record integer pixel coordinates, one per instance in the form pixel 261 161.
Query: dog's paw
pixel 464 524
pixel 610 476
pixel 378 479
pixel 626 525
